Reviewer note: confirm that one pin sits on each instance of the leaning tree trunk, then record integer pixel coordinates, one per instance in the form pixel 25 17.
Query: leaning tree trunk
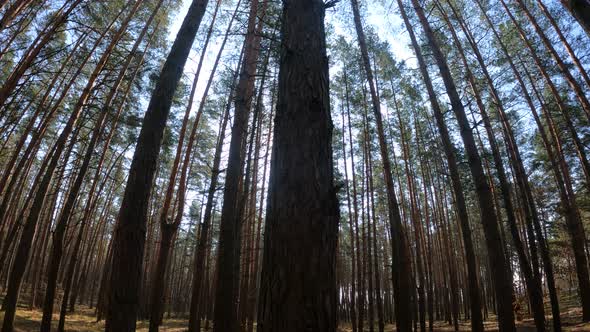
pixel 580 10
pixel 521 173
pixel 462 215
pixel 572 215
pixel 226 291
pixel 12 12
pixel 40 192
pixel 531 276
pixel 565 43
pixel 69 205
pixel 168 229
pixel 38 44
pixel 574 85
pixel 129 237
pixel 298 283
pixel 489 220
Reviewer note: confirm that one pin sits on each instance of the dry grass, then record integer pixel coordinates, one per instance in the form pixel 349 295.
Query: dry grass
pixel 81 321
pixel 84 321
pixel 571 321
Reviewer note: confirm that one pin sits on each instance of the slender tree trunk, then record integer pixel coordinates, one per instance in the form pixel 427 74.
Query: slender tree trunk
pixel 12 12
pixel 69 205
pixel 560 63
pixel 564 41
pixel 401 269
pixel 498 262
pixel 39 194
pixel 38 44
pixel 460 205
pixel 351 217
pixel 225 314
pixel 129 237
pixel 580 10
pixel 547 263
pixel 532 277
pixel 568 199
pixel 360 292
pixel 197 281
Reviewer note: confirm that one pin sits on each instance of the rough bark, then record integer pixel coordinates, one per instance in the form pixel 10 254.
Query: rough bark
pixel 298 283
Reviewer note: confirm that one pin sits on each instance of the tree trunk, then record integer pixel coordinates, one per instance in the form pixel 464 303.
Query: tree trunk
pixel 560 63
pixel 564 41
pixel 532 277
pixel 38 44
pixel 302 210
pixel 568 198
pixel 460 205
pixel 351 217
pixel 69 205
pixel 580 10
pixel 401 269
pixel 489 220
pixel 129 237
pixel 523 181
pixel 194 324
pixel 225 314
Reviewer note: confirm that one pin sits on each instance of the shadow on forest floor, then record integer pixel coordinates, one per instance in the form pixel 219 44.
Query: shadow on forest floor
pixel 83 320
pixel 571 321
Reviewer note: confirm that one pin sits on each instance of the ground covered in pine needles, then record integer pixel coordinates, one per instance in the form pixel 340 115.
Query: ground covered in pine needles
pixel 571 321
pixel 85 321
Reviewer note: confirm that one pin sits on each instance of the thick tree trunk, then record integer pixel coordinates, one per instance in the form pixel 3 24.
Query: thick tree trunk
pixel 170 227
pixel 302 210
pixel 129 237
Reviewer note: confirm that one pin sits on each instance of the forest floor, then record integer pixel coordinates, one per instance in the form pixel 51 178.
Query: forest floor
pixel 571 321
pixel 85 321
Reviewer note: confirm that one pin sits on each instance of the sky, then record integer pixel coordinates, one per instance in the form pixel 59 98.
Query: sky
pixel 383 19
